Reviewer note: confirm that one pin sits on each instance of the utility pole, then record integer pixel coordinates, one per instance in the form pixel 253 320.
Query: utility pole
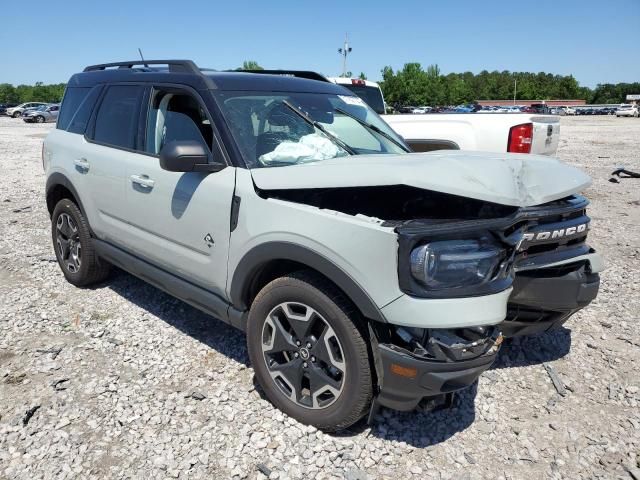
pixel 515 89
pixel 344 51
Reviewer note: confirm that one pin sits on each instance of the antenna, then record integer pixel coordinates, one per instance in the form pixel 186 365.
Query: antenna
pixel 142 58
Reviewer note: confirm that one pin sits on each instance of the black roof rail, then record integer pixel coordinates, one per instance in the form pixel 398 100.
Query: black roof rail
pixel 177 66
pixel 291 73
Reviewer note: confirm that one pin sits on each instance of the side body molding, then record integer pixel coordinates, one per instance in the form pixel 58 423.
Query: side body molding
pixel 260 255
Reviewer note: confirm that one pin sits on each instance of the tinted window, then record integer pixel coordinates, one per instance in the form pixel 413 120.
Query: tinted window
pixel 117 116
pixel 371 95
pixel 73 97
pixel 175 115
pixel 81 117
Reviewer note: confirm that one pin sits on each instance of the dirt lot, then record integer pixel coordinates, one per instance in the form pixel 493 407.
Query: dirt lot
pixel 122 381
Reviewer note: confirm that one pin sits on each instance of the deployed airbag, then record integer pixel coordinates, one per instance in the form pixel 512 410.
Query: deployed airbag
pixel 309 148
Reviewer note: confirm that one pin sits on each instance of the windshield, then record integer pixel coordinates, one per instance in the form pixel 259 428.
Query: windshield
pixel 286 128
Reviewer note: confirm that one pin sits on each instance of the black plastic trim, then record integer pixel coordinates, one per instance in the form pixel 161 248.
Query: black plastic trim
pixel 432 379
pixel 235 212
pixel 57 178
pixel 417 232
pixel 259 256
pixel 194 295
pixel 416 144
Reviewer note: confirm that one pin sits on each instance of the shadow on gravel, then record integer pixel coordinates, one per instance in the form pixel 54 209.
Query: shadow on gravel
pixel 206 329
pixel 421 428
pixel 534 349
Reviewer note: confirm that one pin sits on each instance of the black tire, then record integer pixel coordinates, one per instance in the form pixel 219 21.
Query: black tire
pixel 40 119
pixel 336 311
pixel 88 268
pixel 16 114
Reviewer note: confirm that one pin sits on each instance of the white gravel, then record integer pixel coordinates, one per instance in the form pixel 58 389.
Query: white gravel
pixel 122 381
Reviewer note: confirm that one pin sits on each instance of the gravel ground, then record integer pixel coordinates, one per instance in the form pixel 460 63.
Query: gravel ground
pixel 122 381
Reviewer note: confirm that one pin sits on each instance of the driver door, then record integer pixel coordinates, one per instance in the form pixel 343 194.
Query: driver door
pixel 180 221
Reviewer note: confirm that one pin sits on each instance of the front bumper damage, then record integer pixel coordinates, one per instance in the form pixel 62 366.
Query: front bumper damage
pixel 414 364
pixel 551 273
pixel 543 299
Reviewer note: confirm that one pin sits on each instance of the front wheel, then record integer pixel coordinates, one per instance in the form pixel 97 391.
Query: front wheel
pixel 309 353
pixel 40 119
pixel 16 114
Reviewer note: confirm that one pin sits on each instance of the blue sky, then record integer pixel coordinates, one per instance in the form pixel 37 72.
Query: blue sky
pixel 596 41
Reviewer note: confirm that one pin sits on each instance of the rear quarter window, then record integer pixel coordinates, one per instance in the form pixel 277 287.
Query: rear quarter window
pixel 80 119
pixel 73 97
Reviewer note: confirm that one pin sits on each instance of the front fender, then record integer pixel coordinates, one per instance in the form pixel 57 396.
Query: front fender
pixel 260 255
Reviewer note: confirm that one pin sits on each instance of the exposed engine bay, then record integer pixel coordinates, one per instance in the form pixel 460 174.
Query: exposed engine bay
pixel 393 203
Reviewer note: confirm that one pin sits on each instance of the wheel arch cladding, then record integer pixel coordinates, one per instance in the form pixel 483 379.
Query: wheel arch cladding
pixel 284 257
pixel 59 187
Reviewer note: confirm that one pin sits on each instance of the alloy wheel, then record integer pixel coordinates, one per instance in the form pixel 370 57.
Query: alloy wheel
pixel 68 243
pixel 303 355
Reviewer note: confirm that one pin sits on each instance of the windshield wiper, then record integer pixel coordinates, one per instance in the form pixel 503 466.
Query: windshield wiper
pixel 376 129
pixel 320 127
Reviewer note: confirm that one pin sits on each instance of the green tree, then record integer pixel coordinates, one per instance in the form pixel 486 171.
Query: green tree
pixel 250 65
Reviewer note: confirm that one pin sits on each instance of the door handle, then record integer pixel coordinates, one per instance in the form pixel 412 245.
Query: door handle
pixel 82 163
pixel 142 180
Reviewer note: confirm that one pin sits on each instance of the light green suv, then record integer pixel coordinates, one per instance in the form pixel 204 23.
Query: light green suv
pixel 363 274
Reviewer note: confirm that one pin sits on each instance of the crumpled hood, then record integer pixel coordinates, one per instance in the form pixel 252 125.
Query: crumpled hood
pixel 506 178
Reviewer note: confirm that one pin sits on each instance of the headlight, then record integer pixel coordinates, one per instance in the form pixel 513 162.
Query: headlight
pixel 455 263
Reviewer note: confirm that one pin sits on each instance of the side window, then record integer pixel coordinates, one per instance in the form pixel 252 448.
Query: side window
pixel 175 115
pixel 117 118
pixel 80 117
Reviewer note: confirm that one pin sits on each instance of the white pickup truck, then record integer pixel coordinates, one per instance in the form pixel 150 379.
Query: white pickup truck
pixel 495 132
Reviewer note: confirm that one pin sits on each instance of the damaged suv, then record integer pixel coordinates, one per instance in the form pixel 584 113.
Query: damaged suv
pixel 363 274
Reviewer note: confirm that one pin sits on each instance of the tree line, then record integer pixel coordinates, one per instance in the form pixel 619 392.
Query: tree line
pixel 31 93
pixel 413 85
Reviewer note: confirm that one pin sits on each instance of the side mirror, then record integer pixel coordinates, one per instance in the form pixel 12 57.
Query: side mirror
pixel 187 156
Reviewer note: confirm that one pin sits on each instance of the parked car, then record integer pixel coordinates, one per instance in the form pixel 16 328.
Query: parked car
pixel 42 114
pixel 285 206
pixel 421 110
pixel 627 110
pixel 4 106
pixel 17 111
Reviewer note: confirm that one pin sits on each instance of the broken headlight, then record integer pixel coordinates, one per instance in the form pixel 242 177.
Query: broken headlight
pixel 451 264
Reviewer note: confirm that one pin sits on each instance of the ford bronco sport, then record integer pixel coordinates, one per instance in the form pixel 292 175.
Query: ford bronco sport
pixel 362 274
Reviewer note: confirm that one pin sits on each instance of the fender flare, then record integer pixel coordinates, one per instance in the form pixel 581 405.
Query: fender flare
pixel 260 255
pixel 58 178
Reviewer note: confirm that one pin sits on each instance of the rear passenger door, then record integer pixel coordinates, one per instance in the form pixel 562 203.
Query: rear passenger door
pixel 111 140
pixel 180 221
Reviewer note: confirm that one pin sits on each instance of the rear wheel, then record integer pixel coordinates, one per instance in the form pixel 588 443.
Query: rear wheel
pixel 308 352
pixel 74 246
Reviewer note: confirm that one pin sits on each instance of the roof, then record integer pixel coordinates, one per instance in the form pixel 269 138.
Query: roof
pixel 186 72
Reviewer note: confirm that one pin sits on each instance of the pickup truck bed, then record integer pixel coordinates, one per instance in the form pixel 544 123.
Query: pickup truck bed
pixel 472 131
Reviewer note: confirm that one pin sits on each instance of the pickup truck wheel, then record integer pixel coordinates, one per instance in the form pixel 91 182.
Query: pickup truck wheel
pixel 308 353
pixel 74 246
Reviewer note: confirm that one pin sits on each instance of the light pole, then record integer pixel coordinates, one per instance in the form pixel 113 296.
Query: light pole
pixel 515 89
pixel 344 51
